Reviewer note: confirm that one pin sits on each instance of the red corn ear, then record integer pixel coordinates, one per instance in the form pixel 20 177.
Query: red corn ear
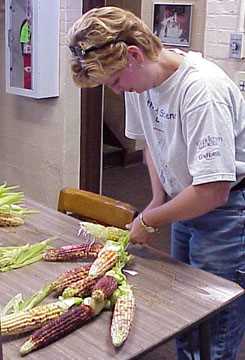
pixel 104 288
pixel 58 328
pixel 73 252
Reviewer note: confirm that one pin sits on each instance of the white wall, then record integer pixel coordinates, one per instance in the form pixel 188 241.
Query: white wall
pixel 39 139
pixel 222 20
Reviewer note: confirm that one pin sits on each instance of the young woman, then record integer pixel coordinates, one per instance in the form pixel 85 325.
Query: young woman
pixel 191 117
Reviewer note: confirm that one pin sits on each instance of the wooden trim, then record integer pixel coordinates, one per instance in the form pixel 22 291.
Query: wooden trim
pixel 90 145
pixel 91 117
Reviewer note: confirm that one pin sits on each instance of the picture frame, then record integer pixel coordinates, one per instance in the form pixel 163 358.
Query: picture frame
pixel 172 23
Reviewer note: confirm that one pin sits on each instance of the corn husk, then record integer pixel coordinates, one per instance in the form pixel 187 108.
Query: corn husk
pixel 14 257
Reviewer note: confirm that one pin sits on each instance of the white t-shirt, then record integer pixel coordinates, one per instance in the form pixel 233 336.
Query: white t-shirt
pixel 193 124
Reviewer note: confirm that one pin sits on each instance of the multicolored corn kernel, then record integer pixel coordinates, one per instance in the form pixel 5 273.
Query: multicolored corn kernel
pixel 80 288
pixel 58 328
pixel 69 277
pixel 104 288
pixel 24 321
pixel 73 252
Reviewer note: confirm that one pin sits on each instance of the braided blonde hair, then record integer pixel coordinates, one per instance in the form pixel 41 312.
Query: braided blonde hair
pixel 102 36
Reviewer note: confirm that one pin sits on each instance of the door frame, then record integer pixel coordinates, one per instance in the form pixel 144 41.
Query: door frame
pixel 91 142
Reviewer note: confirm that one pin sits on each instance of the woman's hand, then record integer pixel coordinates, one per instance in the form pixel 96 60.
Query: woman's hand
pixel 138 235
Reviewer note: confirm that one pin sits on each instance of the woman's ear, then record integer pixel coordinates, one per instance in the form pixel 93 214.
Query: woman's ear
pixel 135 55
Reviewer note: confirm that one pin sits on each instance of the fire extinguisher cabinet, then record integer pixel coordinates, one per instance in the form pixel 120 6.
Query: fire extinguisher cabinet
pixel 32 47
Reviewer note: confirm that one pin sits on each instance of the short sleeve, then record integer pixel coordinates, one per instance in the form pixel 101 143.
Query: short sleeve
pixel 209 135
pixel 133 127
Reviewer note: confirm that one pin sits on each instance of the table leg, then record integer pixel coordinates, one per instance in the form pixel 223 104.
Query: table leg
pixel 204 341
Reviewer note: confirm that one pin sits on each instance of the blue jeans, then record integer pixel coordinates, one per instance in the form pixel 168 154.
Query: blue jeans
pixel 215 242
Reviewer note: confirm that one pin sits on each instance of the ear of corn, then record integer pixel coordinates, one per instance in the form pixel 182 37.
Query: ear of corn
pixel 106 285
pixel 103 233
pixel 123 314
pixel 28 320
pixel 73 252
pixel 69 277
pixel 80 288
pixel 57 328
pixel 104 288
pixel 105 261
pixel 10 220
pixel 112 253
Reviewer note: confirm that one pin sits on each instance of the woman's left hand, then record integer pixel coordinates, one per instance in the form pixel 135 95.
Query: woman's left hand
pixel 138 235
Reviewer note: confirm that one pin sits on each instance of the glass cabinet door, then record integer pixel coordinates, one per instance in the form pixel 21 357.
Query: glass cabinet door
pixel 20 44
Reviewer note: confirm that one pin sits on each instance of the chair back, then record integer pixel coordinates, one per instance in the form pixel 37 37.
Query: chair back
pixel 93 207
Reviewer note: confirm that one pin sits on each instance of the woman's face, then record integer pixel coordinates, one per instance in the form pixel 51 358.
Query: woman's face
pixel 135 77
pixel 128 79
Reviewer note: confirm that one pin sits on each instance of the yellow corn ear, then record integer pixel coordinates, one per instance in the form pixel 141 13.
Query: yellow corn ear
pixel 10 220
pixel 122 318
pixel 104 262
pixel 24 321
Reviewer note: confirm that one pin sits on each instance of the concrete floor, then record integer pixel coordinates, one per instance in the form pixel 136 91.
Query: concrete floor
pixel 132 185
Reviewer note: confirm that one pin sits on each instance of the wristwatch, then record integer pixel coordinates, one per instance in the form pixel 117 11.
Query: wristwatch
pixel 148 228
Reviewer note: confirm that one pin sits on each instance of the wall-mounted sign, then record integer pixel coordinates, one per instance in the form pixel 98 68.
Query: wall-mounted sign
pixel 172 23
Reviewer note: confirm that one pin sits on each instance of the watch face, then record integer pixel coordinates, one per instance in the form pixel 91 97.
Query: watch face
pixel 150 229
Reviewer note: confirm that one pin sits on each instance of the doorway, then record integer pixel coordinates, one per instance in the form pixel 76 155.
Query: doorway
pixel 103 144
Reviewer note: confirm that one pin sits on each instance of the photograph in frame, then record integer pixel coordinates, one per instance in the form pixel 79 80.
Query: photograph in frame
pixel 172 23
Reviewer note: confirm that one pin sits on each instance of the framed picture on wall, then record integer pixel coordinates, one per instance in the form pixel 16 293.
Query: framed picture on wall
pixel 172 23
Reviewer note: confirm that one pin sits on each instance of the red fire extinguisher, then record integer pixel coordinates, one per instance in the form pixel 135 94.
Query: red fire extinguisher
pixel 27 66
pixel 25 40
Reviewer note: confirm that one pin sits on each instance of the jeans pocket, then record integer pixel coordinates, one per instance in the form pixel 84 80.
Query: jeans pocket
pixel 241 278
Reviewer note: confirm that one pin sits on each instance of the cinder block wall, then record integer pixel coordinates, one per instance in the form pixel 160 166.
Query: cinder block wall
pixel 221 21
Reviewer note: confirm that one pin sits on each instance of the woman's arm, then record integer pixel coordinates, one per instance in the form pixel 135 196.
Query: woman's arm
pixel 158 193
pixel 194 201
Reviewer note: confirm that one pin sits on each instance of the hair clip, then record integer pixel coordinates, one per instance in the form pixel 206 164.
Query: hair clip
pixel 77 51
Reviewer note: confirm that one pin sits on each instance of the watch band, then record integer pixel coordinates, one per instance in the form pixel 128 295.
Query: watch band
pixel 148 228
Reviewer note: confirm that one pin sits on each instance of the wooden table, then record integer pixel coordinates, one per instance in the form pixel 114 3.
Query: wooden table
pixel 171 297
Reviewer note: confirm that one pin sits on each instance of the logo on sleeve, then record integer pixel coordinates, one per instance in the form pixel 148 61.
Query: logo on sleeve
pixel 209 147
